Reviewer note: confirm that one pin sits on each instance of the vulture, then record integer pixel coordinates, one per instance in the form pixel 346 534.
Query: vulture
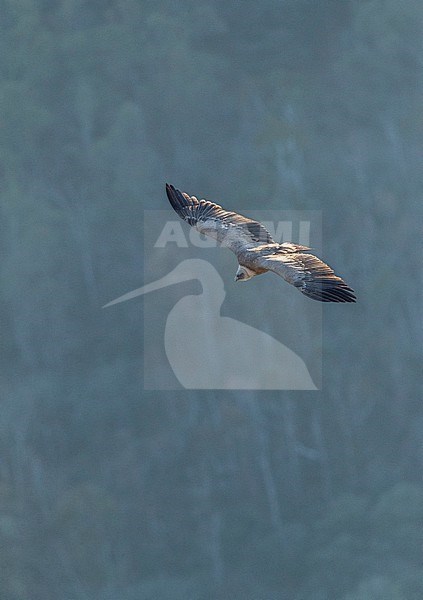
pixel 256 250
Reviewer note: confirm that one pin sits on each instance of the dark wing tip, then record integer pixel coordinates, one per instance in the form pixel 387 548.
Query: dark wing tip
pixel 183 204
pixel 319 281
pixel 349 295
pixel 170 190
pixel 175 197
pixel 341 294
pixel 330 291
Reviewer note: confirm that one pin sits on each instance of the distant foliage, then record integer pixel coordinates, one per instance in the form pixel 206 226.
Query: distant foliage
pixel 109 491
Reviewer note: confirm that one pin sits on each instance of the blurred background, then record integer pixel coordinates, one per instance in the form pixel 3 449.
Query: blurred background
pixel 110 492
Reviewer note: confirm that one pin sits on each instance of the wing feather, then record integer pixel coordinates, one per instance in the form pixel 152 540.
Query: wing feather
pixel 310 275
pixel 228 228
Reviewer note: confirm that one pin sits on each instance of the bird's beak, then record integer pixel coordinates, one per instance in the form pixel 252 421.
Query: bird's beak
pixel 171 278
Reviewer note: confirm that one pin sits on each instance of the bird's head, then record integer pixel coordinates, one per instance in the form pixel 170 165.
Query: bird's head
pixel 243 274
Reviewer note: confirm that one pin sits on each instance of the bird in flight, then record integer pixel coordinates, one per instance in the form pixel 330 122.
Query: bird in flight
pixel 256 250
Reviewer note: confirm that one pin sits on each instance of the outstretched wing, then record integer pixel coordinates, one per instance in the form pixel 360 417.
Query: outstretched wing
pixel 310 275
pixel 228 228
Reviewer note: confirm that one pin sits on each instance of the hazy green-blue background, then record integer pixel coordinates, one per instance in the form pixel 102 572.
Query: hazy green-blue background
pixel 108 492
